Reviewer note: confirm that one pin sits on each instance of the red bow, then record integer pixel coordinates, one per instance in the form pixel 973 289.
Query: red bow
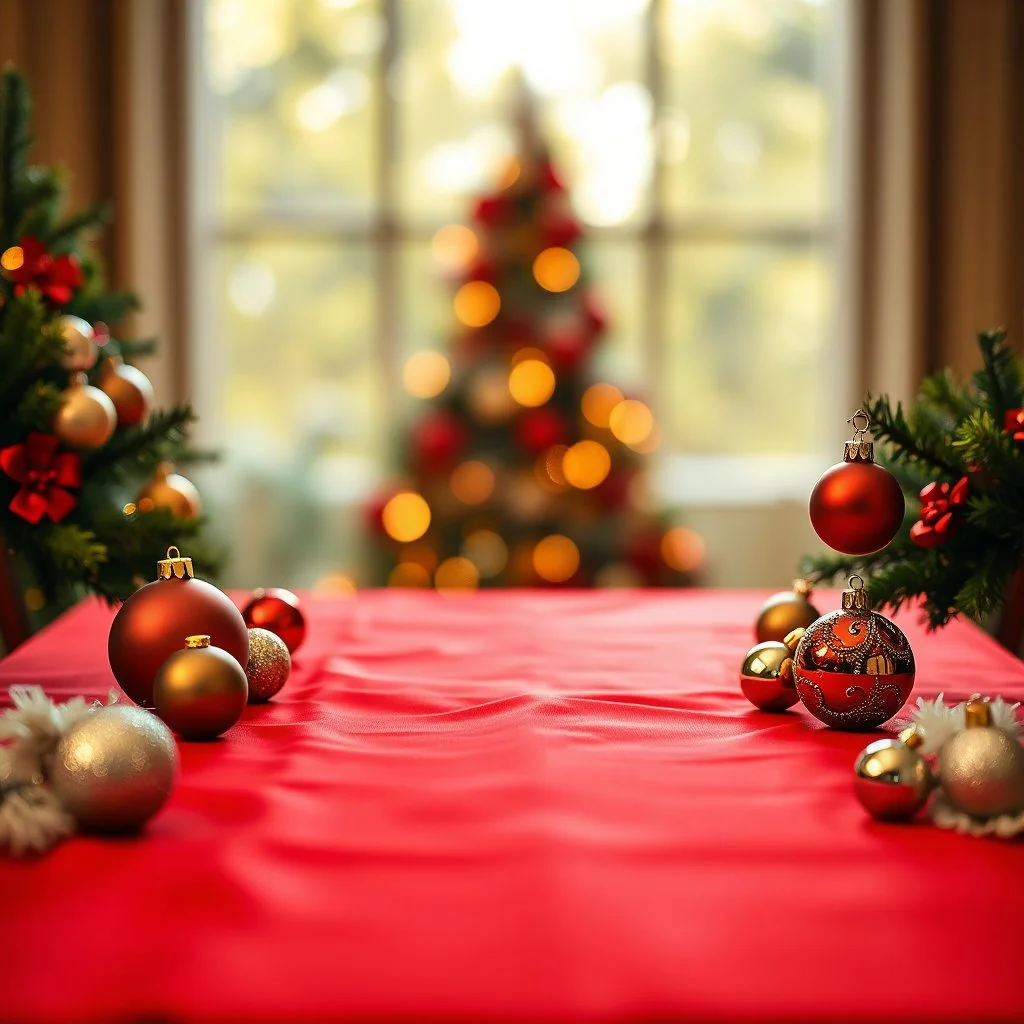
pixel 942 510
pixel 43 475
pixel 1013 424
pixel 56 277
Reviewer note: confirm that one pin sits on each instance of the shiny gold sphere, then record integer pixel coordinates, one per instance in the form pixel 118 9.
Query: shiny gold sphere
pixel 892 781
pixel 200 691
pixel 130 391
pixel 115 769
pixel 766 677
pixel 80 351
pixel 269 664
pixel 171 491
pixel 86 418
pixel 982 772
pixel 782 613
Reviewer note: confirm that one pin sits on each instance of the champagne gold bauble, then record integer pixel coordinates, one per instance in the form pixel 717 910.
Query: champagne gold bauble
pixel 86 417
pixel 79 344
pixel 891 779
pixel 171 491
pixel 785 611
pixel 200 691
pixel 982 768
pixel 766 677
pixel 269 665
pixel 152 623
pixel 130 391
pixel 115 769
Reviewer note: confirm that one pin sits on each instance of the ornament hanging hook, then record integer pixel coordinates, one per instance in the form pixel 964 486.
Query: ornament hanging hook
pixel 859 431
pixel 856 582
pixel 176 553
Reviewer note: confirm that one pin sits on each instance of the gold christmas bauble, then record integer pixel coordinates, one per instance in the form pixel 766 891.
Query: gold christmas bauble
pixel 86 417
pixel 766 676
pixel 785 611
pixel 891 779
pixel 115 769
pixel 200 691
pixel 79 344
pixel 171 491
pixel 269 664
pixel 130 391
pixel 981 768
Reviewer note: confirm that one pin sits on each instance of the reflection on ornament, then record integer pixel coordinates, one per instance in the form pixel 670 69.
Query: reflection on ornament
pixel 171 491
pixel 556 269
pixel 682 549
pixel 891 779
pixel 406 516
pixel 280 611
pixel 556 558
pixel 531 382
pixel 80 351
pixel 426 374
pixel 129 389
pixel 115 769
pixel 86 417
pixel 456 574
pixel 477 303
pixel 631 422
pixel 586 464
pixel 854 668
pixel 785 611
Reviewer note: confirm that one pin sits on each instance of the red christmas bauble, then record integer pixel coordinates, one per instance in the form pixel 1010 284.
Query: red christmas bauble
pixel 482 269
pixel 548 178
pixel 857 507
pixel 613 491
pixel 154 622
pixel 567 349
pixel 559 230
pixel 853 669
pixel 491 210
pixel 279 611
pixel 438 441
pixel 541 428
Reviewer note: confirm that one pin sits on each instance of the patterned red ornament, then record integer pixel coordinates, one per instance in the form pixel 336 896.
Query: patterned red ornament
pixel 55 277
pixel 438 441
pixel 942 513
pixel 853 669
pixel 43 474
pixel 541 428
pixel 278 611
pixel 1013 424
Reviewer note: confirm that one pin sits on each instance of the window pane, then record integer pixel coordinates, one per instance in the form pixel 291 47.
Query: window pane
pixel 293 103
pixel 455 84
pixel 748 347
pixel 748 111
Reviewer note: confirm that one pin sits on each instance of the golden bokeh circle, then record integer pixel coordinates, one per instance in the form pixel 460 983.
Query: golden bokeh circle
pixel 456 574
pixel 556 269
pixel 598 402
pixel 531 382
pixel 409 574
pixel 631 422
pixel 477 303
pixel 406 517
pixel 472 482
pixel 454 246
pixel 487 551
pixel 586 464
pixel 682 549
pixel 556 558
pixel 426 374
pixel 13 258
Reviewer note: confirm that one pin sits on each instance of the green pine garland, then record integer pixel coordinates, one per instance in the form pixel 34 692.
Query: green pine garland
pixel 952 431
pixel 96 547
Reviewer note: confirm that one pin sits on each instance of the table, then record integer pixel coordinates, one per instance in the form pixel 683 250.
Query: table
pixel 517 806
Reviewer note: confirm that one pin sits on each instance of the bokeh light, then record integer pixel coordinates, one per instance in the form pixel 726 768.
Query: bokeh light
pixel 489 398
pixel 487 551
pixel 556 269
pixel 130 509
pixel 598 402
pixel 522 354
pixel 682 549
pixel 472 482
pixel 456 574
pixel 477 303
pixel 409 574
pixel 510 175
pixel 649 444
pixel 554 457
pixel 531 382
pixel 556 558
pixel 12 258
pixel 586 464
pixel 618 574
pixel 406 516
pixel 34 599
pixel 426 374
pixel 454 246
pixel 336 584
pixel 631 422
pixel 420 554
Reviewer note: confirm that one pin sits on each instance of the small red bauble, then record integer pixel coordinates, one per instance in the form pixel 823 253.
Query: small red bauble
pixel 853 669
pixel 438 441
pixel 856 506
pixel 278 611
pixel 492 210
pixel 541 428
pixel 150 625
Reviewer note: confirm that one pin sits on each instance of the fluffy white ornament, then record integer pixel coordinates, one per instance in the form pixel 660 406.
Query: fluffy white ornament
pixel 1005 826
pixel 937 722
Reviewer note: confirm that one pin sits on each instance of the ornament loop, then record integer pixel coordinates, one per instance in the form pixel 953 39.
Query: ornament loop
pixel 174 565
pixel 176 554
pixel 859 432
pixel 856 582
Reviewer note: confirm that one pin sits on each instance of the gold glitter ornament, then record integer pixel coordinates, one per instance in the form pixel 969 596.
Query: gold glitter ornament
pixel 269 664
pixel 115 769
pixel 891 778
pixel 982 768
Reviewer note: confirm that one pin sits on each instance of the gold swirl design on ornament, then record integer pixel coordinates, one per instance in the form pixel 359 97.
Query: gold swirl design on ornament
pixel 866 713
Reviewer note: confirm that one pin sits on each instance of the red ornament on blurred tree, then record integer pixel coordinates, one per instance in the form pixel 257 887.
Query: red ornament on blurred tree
pixel 541 428
pixel 278 611
pixel 492 210
pixel 439 441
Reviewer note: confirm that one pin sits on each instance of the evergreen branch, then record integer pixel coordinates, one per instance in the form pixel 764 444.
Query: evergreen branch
pixel 989 449
pixel 38 407
pixel 944 392
pixel 132 348
pixel 1000 381
pixel 14 143
pixel 65 236
pixel 137 451
pixel 892 427
pixel 73 549
pixel 39 199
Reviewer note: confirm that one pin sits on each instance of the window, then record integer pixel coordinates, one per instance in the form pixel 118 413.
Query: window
pixel 701 139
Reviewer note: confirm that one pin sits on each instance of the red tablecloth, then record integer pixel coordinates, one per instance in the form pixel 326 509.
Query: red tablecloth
pixel 517 807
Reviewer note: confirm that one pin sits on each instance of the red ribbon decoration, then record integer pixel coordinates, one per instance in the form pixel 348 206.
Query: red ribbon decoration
pixel 1013 424
pixel 56 277
pixel 942 509
pixel 43 474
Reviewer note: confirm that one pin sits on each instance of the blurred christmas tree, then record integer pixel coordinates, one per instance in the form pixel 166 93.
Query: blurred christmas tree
pixel 524 470
pixel 77 437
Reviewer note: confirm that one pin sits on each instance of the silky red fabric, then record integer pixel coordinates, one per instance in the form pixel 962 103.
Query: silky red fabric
pixel 517 807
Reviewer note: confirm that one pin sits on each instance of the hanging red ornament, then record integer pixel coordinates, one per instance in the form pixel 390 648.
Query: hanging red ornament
pixel 539 429
pixel 492 210
pixel 55 277
pixel 942 512
pixel 278 611
pixel 438 441
pixel 857 507
pixel 44 475
pixel 854 669
pixel 129 389
pixel 1013 424
pixel 151 624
